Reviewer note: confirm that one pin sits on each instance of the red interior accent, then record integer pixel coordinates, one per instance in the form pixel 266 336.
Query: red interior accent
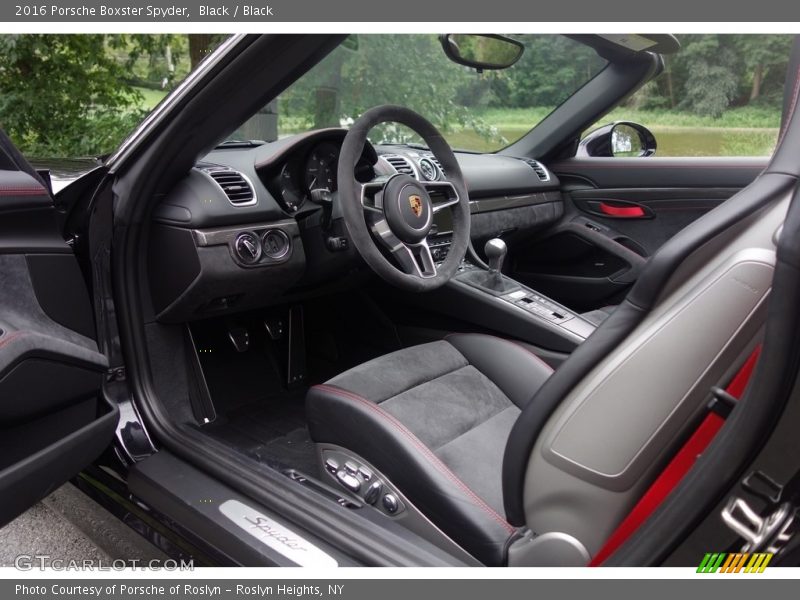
pixel 630 212
pixel 677 468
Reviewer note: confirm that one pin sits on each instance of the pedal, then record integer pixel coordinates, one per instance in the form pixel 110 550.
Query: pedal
pixel 240 338
pixel 274 328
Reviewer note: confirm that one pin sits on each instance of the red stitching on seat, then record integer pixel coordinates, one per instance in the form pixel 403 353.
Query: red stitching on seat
pixel 11 337
pixel 422 448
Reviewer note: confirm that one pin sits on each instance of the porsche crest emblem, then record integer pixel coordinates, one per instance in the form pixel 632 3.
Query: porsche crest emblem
pixel 416 204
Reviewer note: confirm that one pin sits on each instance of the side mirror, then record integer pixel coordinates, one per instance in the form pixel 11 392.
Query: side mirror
pixel 482 51
pixel 623 139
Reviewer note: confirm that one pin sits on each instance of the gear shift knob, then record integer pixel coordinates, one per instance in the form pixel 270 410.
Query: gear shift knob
pixel 495 250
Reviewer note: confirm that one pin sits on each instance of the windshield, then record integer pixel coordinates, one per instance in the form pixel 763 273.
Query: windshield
pixel 474 111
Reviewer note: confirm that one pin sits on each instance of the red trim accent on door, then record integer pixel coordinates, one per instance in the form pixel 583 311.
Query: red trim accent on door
pixel 629 212
pixel 677 468
pixel 22 191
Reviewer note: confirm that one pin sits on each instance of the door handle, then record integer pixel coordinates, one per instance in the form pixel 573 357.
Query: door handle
pixel 627 211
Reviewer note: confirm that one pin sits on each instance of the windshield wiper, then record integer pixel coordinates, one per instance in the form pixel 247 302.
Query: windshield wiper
pixel 240 143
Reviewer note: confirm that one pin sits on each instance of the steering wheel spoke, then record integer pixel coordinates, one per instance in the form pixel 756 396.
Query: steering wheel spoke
pixel 443 194
pixel 372 196
pixel 414 259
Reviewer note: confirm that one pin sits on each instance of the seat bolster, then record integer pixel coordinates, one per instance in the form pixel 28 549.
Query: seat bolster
pixel 517 371
pixel 335 414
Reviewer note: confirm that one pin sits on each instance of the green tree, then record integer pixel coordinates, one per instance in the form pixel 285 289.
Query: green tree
pixel 710 66
pixel 385 69
pixel 62 95
pixel 764 57
pixel 551 68
pixel 712 73
pixel 157 61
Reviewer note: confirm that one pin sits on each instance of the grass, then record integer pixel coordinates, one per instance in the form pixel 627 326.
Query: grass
pixel 150 97
pixel 744 117
pixel 746 131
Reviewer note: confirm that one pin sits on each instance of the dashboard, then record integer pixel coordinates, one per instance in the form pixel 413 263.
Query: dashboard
pixel 244 227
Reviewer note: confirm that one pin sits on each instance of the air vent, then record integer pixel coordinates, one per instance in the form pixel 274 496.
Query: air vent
pixel 435 161
pixel 236 186
pixel 401 164
pixel 538 168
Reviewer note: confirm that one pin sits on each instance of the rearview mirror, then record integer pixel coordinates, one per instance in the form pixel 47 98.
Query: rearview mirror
pixel 622 139
pixel 482 51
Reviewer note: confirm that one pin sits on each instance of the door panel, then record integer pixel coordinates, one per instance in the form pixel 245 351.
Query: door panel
pixel 617 206
pixel 53 417
pixel 666 210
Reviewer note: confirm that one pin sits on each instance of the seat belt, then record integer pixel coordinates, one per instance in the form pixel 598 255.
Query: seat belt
pixel 681 463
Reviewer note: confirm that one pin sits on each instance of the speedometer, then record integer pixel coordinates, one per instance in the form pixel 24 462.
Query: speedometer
pixel 321 165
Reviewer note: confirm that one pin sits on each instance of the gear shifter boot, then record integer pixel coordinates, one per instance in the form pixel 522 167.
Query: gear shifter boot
pixel 491 282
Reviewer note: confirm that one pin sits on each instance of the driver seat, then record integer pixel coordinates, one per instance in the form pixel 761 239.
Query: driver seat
pixel 490 445
pixel 434 419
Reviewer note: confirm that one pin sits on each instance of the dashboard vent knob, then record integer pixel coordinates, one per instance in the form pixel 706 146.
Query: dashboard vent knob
pixel 234 184
pixel 436 162
pixel 428 169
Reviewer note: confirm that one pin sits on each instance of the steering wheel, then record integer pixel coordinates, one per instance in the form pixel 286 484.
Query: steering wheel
pixel 397 212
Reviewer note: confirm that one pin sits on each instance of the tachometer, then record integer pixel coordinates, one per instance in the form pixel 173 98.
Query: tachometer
pixel 321 165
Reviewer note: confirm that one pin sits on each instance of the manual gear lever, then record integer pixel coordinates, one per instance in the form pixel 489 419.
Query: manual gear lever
pixel 491 280
pixel 495 250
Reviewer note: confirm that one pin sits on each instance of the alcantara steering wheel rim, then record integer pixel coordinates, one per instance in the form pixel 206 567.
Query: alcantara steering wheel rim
pixel 398 212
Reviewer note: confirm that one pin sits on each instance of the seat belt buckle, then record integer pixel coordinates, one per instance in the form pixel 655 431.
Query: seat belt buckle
pixel 761 485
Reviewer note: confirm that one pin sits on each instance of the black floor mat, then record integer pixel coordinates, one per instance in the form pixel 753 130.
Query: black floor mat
pixel 256 414
pixel 273 432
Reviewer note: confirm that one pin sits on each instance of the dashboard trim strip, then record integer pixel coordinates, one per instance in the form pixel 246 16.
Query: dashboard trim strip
pixel 518 201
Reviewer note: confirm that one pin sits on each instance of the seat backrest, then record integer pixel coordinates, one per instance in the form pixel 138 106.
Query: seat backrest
pixel 603 426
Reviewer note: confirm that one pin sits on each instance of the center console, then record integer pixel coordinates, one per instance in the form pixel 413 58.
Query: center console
pixel 486 297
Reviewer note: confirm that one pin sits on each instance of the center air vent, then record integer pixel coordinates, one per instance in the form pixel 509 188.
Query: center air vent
pixel 236 186
pixel 435 161
pixel 538 168
pixel 401 164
